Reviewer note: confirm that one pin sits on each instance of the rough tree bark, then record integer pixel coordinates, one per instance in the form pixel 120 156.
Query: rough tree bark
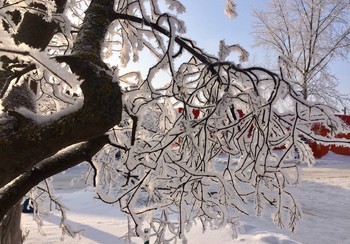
pixel 27 149
pixel 10 227
pixel 100 112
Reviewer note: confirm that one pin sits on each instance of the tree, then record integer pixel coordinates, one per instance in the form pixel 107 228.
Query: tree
pixel 63 105
pixel 310 35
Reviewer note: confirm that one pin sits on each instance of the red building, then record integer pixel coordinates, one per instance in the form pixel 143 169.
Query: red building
pixel 318 149
pixel 321 150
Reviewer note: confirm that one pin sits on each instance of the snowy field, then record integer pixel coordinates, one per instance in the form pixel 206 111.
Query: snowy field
pixel 324 194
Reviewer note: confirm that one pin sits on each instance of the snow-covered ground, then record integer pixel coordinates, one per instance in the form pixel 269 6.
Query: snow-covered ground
pixel 324 194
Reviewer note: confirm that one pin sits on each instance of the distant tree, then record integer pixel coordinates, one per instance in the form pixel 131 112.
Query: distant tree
pixel 310 35
pixel 65 104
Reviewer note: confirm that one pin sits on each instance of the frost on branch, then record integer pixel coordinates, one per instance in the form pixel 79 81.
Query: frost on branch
pixel 225 51
pixel 199 149
pixel 176 5
pixel 52 85
pixel 194 147
pixel 230 9
pixel 49 82
pixel 315 30
pixel 203 146
pixel 44 201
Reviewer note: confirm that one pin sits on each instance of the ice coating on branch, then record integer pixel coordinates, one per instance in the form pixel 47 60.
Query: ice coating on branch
pixel 61 71
pixel 200 146
pixel 176 5
pixel 225 51
pixel 41 59
pixel 318 32
pixel 59 80
pixel 230 9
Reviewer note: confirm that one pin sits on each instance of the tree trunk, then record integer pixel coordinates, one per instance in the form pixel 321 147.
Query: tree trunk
pixel 305 89
pixel 101 111
pixel 10 227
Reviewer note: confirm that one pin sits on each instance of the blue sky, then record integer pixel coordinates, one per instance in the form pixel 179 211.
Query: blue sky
pixel 207 25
